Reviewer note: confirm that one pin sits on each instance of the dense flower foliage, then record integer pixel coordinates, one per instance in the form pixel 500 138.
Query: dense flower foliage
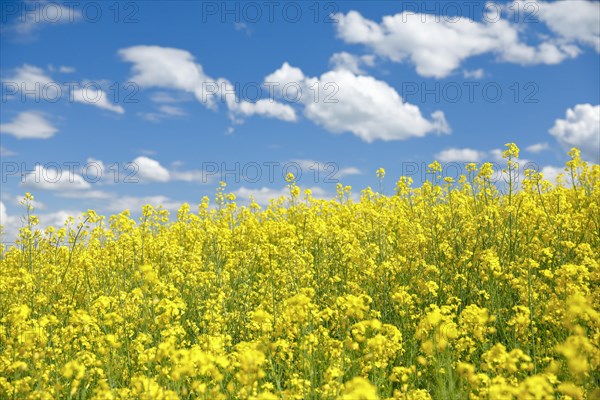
pixel 450 290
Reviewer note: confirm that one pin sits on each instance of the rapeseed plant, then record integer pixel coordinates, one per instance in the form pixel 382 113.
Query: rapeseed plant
pixel 450 290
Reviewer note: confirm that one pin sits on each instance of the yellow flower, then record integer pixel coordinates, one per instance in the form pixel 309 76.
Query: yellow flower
pixel 359 389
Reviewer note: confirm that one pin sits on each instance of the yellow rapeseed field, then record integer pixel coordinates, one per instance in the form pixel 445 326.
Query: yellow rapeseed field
pixel 452 290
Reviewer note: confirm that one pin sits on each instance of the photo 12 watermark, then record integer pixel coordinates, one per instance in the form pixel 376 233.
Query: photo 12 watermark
pixel 250 172
pixel 526 11
pixel 78 173
pixel 255 12
pixel 70 91
pixel 290 92
pixel 60 12
pixel 211 92
pixel 470 91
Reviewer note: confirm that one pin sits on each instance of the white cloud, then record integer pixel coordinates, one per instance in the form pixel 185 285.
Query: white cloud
pixel 150 170
pixel 97 98
pixel 4 221
pixel 29 125
pixel 362 105
pixel 147 170
pixel 351 62
pixel 265 108
pixel 537 147
pixel 438 46
pixel 57 218
pixel 41 13
pixel 550 173
pixel 473 74
pixel 460 155
pixel 169 68
pixel 165 67
pixel 285 75
pixel 573 20
pixel 3 214
pixel 54 179
pixel 10 225
pixel 34 82
pixel 580 128
pixel 30 75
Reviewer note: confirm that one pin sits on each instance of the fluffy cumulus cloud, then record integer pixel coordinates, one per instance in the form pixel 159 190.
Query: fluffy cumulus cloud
pixel 347 102
pixel 265 108
pixel 580 128
pixel 363 105
pixel 29 125
pixel 150 170
pixel 573 20
pixel 164 67
pixel 170 68
pixel 460 155
pixel 438 46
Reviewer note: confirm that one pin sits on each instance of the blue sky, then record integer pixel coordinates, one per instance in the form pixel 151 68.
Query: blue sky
pixel 104 90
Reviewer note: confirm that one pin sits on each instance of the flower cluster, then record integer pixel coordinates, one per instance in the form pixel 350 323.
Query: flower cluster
pixel 455 289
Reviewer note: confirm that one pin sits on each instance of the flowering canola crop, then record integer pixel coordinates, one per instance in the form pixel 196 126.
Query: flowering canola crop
pixel 451 290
